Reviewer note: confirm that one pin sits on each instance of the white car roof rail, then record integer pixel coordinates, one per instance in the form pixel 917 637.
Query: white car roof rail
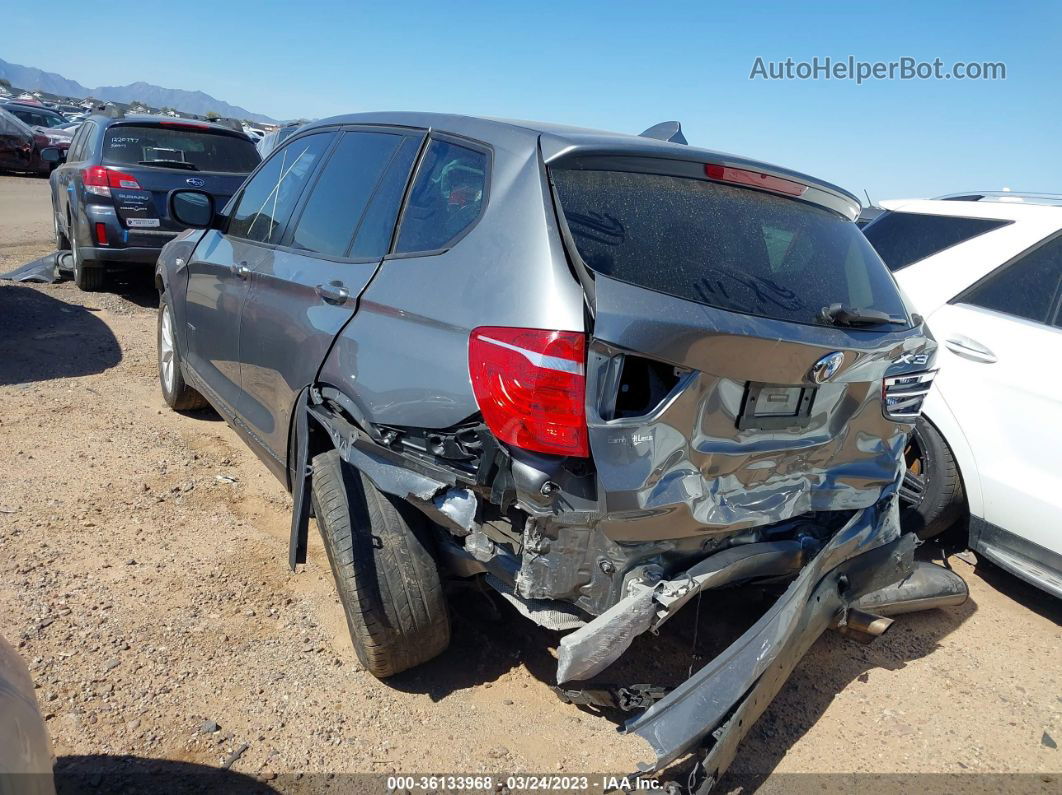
pixel 1047 199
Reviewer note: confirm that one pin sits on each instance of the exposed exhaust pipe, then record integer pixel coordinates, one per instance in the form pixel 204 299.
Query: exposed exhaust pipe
pixel 928 586
pixel 862 626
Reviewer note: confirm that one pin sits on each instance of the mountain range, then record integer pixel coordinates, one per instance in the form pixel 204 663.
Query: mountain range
pixel 32 79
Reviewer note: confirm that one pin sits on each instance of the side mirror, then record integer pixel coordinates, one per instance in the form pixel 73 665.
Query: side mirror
pixel 192 208
pixel 51 154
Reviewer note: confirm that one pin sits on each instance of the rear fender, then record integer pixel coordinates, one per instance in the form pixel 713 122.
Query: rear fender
pixel 436 492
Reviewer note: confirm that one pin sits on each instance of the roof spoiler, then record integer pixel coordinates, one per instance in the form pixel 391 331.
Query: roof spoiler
pixel 233 124
pixel 666 131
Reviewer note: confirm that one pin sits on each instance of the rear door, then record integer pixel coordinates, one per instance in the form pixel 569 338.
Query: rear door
pixel 1000 375
pixel 165 156
pixel 220 267
pixel 307 288
pixel 718 397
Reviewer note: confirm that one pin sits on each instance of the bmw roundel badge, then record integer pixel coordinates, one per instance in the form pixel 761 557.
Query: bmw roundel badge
pixel 826 367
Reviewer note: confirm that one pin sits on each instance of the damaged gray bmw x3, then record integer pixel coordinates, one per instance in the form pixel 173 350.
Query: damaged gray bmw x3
pixel 603 373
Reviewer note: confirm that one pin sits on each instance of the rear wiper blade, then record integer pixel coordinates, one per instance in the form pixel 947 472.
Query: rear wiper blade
pixel 841 315
pixel 169 164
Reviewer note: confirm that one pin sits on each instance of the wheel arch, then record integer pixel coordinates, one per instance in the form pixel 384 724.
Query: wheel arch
pixel 938 414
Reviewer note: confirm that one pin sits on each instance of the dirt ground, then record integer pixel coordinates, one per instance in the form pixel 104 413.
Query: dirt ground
pixel 143 579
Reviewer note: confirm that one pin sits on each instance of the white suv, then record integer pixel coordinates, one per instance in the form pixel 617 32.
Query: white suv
pixel 985 270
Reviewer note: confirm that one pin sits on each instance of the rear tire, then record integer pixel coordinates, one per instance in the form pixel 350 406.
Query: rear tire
pixel 932 495
pixel 86 277
pixel 62 242
pixel 177 394
pixel 380 551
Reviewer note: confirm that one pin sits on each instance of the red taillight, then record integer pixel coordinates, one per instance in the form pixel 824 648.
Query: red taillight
pixel 101 234
pixel 531 387
pixel 754 179
pixel 100 180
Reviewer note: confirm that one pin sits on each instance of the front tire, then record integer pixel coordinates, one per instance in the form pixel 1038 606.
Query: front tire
pixel 932 495
pixel 380 552
pixel 177 394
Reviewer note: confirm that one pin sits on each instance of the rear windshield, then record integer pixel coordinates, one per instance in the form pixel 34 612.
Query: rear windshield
pixel 904 238
pixel 194 150
pixel 733 248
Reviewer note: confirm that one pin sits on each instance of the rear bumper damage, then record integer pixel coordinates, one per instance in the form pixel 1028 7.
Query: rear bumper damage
pixel 844 576
pixel 866 563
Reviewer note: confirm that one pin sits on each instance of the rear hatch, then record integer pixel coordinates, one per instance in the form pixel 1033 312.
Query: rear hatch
pixel 741 341
pixel 159 157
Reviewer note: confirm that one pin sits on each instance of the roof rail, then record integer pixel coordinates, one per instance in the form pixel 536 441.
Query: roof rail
pixel 1047 199
pixel 666 131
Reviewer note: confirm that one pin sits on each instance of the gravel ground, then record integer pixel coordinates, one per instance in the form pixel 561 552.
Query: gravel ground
pixel 143 579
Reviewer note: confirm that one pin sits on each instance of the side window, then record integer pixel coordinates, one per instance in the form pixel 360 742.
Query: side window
pixel 373 238
pixel 7 124
pixel 77 145
pixel 1029 287
pixel 269 197
pixel 446 198
pixel 903 238
pixel 12 125
pixel 88 143
pixel 342 192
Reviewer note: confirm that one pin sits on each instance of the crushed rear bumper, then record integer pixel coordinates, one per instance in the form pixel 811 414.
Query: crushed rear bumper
pixel 717 706
pixel 712 711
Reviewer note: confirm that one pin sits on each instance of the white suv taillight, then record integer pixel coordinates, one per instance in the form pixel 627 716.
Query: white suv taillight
pixel 530 385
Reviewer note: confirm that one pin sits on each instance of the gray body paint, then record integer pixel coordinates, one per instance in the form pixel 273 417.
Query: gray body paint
pixel 688 496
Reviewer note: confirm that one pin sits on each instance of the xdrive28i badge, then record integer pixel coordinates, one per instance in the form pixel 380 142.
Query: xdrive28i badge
pixel 825 368
pixel 196 182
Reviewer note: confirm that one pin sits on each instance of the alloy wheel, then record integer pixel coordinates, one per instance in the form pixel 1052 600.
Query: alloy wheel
pixel 915 477
pixel 166 350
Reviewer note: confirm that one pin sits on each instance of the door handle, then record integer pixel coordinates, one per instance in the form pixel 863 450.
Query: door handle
pixel 970 349
pixel 241 270
pixel 332 292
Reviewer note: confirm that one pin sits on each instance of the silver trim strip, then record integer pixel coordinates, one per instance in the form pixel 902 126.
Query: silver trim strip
pixel 539 359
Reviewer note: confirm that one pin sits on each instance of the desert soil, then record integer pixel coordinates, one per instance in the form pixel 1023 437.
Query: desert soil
pixel 143 579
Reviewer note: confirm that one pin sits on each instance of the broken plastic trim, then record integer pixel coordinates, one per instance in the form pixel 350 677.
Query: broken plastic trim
pixel 589 650
pixel 726 696
pixel 434 491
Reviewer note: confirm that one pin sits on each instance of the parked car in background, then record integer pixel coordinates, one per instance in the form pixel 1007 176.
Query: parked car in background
pixel 272 140
pixel 25 749
pixel 109 198
pixel 18 144
pixel 48 131
pixel 601 373
pixel 986 271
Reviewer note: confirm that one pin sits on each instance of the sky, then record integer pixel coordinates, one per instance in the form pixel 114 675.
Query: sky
pixel 617 66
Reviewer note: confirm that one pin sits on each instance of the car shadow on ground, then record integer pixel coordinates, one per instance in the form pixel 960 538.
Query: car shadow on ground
pixel 136 285
pixel 43 338
pixel 102 773
pixel 488 642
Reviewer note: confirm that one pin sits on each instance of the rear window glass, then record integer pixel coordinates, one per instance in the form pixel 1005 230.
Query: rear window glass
pixel 193 150
pixel 737 249
pixel 904 238
pixel 446 197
